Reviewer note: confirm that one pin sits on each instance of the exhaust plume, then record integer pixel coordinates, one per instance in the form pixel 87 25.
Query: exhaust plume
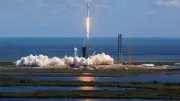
pixel 44 61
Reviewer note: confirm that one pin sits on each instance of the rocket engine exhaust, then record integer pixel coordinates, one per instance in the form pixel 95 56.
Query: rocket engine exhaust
pixel 45 61
pixel 87 26
pixel 88 22
pixel 85 49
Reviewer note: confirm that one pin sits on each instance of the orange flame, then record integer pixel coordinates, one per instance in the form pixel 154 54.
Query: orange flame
pixel 88 26
pixel 86 79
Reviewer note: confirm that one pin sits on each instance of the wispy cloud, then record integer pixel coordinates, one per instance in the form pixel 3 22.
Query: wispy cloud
pixel 168 3
pixel 152 12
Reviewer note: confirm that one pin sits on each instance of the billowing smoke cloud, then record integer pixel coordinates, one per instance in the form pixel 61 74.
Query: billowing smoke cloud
pixel 44 61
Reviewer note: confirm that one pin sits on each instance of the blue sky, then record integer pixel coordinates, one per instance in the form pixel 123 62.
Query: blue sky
pixel 66 18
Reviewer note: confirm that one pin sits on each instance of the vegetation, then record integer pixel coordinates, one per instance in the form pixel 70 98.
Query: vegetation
pixel 144 85
pixel 73 73
pixel 139 94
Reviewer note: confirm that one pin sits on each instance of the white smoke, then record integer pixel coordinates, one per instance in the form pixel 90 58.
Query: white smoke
pixel 43 61
pixel 55 61
pixel 32 61
pixel 68 60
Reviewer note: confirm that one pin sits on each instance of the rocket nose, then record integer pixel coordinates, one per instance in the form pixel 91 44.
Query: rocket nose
pixel 88 5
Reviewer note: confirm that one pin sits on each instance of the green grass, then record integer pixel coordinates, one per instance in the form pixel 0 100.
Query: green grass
pixel 9 67
pixel 138 94
pixel 149 85
pixel 73 73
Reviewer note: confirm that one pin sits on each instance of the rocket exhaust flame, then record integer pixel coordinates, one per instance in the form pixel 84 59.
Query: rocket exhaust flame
pixel 88 22
pixel 87 26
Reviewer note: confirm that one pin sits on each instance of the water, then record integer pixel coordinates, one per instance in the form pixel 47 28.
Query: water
pixel 145 49
pixel 75 99
pixel 137 78
pixel 69 88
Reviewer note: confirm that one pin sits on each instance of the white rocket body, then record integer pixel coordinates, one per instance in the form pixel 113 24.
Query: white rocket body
pixel 85 49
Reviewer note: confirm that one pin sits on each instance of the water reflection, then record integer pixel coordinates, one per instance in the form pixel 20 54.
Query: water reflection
pixel 69 88
pixel 86 79
pixel 87 100
pixel 87 88
pixel 137 78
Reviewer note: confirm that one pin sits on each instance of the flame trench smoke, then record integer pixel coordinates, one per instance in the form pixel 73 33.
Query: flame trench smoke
pixel 45 61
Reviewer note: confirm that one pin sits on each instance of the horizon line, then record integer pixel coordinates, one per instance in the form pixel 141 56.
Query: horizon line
pixel 78 37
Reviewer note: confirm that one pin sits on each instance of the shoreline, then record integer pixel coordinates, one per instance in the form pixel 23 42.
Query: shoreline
pixel 136 64
pixel 115 70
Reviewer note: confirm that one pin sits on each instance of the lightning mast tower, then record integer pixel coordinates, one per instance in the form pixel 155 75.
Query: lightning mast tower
pixel 85 49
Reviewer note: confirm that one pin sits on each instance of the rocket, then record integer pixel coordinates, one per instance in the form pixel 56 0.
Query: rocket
pixel 88 22
pixel 88 8
pixel 85 49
